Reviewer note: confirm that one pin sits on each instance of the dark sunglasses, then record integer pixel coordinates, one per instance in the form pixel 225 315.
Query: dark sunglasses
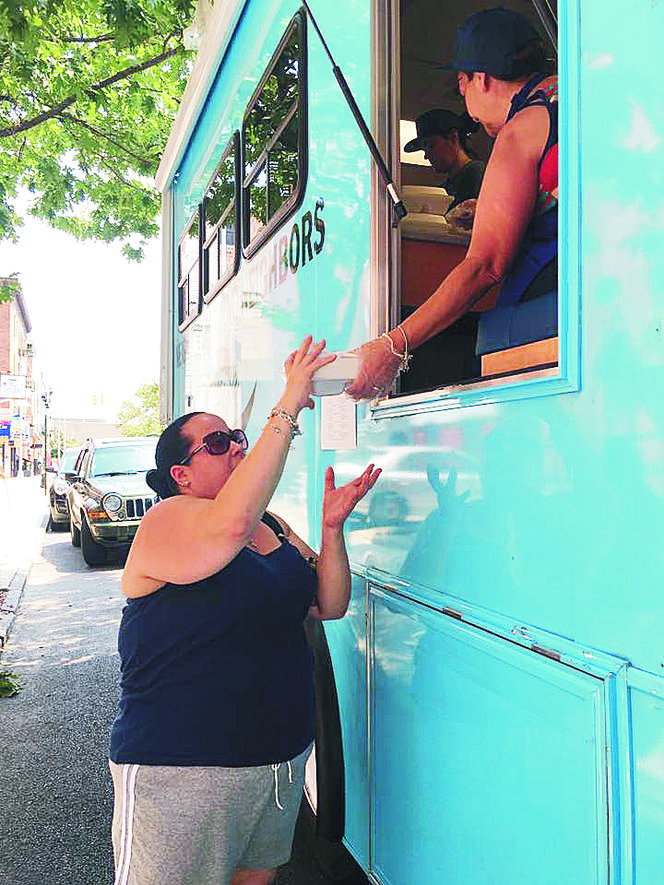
pixel 219 442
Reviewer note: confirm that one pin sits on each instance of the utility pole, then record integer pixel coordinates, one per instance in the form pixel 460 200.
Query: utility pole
pixel 46 397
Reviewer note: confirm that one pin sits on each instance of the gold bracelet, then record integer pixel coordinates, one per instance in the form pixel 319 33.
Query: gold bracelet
pixel 288 418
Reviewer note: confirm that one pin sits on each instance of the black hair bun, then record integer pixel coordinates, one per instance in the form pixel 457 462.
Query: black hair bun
pixel 158 483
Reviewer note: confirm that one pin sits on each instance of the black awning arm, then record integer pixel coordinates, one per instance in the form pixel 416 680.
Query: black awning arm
pixel 398 209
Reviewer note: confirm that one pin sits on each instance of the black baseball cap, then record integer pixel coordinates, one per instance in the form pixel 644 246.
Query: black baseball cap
pixel 437 121
pixel 490 40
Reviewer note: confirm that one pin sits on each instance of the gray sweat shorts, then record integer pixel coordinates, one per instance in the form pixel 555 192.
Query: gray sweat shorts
pixel 198 825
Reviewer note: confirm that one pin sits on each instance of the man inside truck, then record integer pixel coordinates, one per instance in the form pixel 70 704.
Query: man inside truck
pixel 504 78
pixel 443 136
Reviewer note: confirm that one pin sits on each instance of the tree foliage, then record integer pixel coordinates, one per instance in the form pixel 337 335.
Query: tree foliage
pixel 88 93
pixel 9 287
pixel 139 416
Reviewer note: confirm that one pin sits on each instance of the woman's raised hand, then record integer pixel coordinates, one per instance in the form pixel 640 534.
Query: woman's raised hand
pixel 338 503
pixel 300 367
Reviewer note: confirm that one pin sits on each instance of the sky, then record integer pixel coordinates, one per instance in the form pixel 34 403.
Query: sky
pixel 95 317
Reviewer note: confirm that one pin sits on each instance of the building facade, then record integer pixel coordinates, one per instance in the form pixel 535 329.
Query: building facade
pixel 21 407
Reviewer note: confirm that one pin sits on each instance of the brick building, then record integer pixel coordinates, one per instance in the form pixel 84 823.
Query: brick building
pixel 21 442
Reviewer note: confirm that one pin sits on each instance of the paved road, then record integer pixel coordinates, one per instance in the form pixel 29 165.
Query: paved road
pixel 55 792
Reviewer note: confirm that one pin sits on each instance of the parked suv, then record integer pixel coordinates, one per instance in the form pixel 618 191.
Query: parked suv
pixel 57 493
pixel 109 495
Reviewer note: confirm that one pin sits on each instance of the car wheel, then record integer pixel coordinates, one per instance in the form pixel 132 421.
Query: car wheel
pixel 75 532
pixel 332 858
pixel 93 553
pixel 321 820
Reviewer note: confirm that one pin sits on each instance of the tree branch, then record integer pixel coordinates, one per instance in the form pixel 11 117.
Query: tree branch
pixel 71 118
pixel 102 38
pixel 57 110
pixel 108 165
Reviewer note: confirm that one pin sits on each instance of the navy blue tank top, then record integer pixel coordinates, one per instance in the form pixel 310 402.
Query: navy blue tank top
pixel 219 672
pixel 539 247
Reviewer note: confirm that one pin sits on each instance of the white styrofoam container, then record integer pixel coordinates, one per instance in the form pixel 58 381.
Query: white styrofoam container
pixel 332 378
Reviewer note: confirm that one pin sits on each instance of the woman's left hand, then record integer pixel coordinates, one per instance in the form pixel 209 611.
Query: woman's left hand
pixel 463 214
pixel 338 503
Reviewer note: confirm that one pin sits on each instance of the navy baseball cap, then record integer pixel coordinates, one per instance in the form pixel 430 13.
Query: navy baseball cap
pixel 435 122
pixel 489 40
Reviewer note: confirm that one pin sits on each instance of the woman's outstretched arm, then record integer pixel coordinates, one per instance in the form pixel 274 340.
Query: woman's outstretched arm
pixel 504 208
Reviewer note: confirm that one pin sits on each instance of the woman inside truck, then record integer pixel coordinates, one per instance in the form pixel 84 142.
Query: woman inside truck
pixel 503 77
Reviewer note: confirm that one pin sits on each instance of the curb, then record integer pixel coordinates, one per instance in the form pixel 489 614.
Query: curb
pixel 9 605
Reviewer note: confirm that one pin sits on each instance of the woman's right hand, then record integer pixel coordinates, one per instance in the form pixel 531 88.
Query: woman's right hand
pixel 378 370
pixel 300 367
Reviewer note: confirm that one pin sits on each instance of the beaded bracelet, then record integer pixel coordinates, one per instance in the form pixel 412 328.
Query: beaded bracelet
pixel 274 427
pixel 286 416
pixel 407 356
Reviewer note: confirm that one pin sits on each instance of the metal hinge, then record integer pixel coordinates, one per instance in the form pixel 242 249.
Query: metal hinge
pixel 452 614
pixel 547 652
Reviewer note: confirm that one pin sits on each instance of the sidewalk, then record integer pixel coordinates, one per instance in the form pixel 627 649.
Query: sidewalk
pixel 23 519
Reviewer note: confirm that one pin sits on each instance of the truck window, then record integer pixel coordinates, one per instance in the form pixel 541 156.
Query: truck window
pixel 189 267
pixel 274 140
pixel 221 252
pixel 433 239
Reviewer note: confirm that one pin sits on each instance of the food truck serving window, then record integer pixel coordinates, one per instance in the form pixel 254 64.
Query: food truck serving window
pixel 274 140
pixel 497 343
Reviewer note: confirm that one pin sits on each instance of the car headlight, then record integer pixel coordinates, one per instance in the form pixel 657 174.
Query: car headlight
pixel 112 504
pixel 60 487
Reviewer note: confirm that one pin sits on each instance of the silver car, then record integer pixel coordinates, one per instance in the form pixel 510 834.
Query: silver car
pixel 57 493
pixel 109 495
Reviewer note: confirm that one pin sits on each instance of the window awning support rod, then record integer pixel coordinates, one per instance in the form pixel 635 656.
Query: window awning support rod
pixel 398 209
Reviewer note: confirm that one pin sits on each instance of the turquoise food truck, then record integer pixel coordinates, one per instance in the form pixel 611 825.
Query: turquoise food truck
pixel 491 708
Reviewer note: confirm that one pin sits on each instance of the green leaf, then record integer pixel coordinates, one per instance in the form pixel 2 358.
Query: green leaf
pixel 10 684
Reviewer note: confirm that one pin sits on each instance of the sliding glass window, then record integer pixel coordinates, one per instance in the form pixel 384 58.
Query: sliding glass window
pixel 221 248
pixel 274 140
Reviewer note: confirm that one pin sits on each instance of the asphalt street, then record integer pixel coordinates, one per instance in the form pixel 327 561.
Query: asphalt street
pixel 55 790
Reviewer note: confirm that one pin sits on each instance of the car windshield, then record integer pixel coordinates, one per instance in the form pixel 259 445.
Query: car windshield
pixel 68 460
pixel 113 460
